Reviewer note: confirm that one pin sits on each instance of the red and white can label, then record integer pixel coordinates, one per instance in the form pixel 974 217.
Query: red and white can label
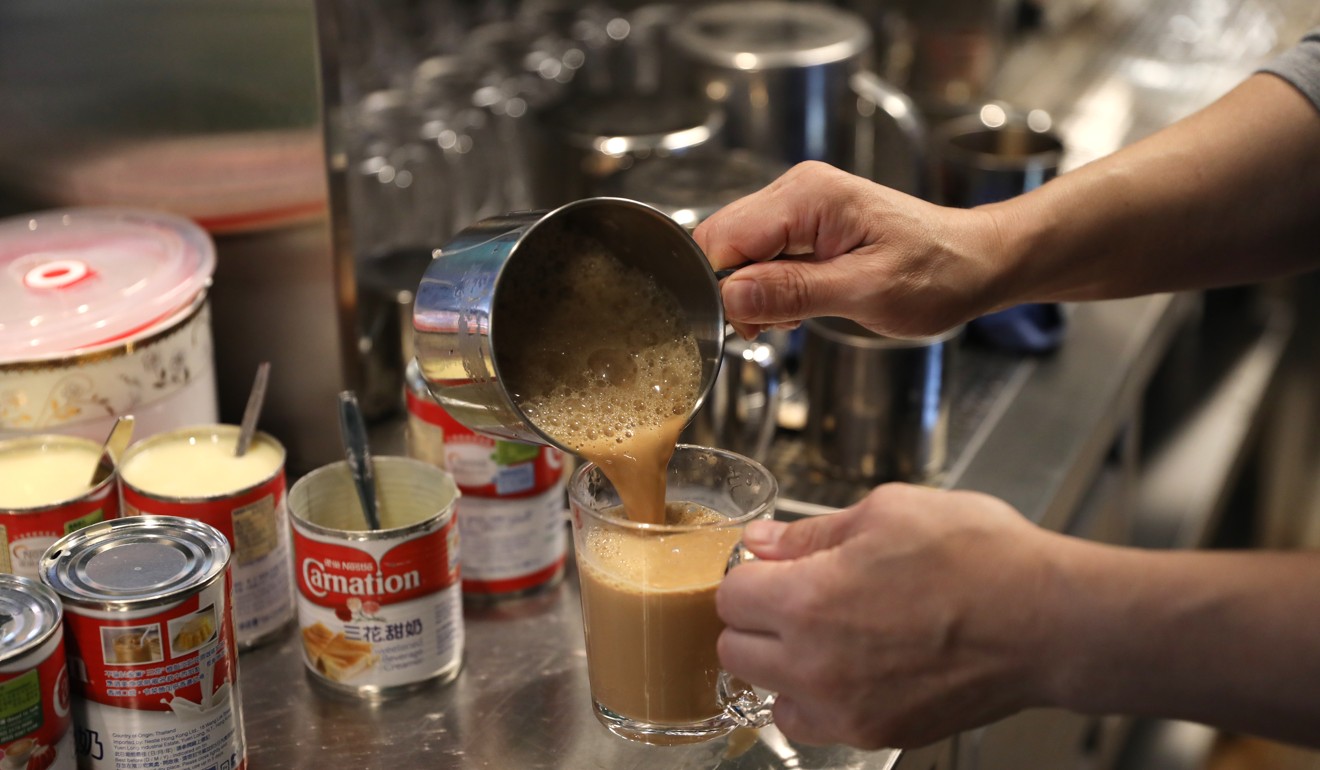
pixel 511 514
pixel 35 711
pixel 25 535
pixel 383 612
pixel 157 690
pixel 254 523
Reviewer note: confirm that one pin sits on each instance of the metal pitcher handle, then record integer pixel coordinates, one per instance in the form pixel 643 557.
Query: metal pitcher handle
pixel 766 358
pixel 877 97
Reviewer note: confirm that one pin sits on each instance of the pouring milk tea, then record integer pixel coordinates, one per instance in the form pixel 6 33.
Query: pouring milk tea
pixel 598 328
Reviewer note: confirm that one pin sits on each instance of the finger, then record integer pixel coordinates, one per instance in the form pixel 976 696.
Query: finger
pixel 746 331
pixel 783 218
pixel 795 722
pixel 758 659
pixel 777 540
pixel 750 596
pixel 789 290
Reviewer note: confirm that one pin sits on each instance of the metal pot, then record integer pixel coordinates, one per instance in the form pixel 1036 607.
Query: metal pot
pixel 878 407
pixel 458 334
pixel 794 84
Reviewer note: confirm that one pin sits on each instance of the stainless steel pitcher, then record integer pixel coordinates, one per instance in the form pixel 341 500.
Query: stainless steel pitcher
pixel 458 333
pixel 878 407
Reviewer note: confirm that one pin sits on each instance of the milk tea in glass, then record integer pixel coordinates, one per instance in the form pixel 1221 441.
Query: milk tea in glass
pixel 648 597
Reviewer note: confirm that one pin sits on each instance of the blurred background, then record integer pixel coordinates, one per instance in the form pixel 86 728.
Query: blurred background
pixel 329 147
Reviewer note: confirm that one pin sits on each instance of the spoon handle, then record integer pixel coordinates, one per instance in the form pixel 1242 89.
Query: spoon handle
pixel 356 451
pixel 252 412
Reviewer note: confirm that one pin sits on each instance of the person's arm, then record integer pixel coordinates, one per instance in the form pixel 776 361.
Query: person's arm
pixel 920 613
pixel 1231 194
pixel 1228 195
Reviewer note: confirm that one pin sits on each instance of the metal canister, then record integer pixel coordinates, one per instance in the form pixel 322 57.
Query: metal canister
pixel 46 492
pixel 35 709
pixel 193 473
pixel 150 635
pixel 878 406
pixel 511 515
pixel 380 611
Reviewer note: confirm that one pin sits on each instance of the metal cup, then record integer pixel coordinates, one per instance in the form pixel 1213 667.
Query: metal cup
pixel 878 407
pixel 457 333
pixel 994 154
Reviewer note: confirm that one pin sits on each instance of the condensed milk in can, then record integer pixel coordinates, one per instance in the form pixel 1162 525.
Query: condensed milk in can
pixel 150 637
pixel 379 611
pixel 512 513
pixel 35 706
pixel 46 492
pixel 193 473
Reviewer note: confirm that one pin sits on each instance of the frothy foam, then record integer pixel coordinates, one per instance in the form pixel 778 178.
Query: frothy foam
pixel 604 362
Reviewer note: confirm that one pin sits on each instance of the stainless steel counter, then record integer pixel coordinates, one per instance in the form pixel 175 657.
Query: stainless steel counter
pixel 521 700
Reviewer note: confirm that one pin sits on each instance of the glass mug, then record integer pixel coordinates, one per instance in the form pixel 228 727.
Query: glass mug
pixel 648 598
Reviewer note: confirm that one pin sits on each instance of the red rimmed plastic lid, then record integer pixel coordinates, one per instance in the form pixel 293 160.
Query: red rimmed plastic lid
pixel 78 279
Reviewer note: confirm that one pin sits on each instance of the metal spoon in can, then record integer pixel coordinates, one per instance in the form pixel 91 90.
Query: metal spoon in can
pixel 354 433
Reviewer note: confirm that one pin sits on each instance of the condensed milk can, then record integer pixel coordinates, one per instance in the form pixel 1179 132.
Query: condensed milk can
pixel 193 473
pixel 35 707
pixel 380 611
pixel 511 514
pixel 150 638
pixel 46 492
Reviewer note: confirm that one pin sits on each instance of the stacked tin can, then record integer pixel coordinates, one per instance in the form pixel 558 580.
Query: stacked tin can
pixel 150 638
pixel 511 514
pixel 35 705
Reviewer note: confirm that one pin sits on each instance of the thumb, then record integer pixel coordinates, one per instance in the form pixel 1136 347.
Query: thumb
pixel 777 540
pixel 788 290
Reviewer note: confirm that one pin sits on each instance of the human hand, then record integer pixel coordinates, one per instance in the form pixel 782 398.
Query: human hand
pixel 893 263
pixel 911 616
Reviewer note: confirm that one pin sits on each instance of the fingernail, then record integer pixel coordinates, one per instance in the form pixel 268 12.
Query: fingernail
pixel 743 300
pixel 763 532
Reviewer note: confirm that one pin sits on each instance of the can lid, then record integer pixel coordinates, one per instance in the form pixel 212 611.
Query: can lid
pixel 133 561
pixel 29 614
pixel 78 279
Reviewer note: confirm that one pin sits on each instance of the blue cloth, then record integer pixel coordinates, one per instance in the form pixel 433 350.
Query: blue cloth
pixel 1031 328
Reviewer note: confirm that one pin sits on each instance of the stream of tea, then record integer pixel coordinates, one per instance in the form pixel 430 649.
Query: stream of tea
pixel 613 370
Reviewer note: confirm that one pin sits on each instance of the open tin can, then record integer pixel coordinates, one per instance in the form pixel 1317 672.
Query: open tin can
pixel 46 492
pixel 380 611
pixel 193 473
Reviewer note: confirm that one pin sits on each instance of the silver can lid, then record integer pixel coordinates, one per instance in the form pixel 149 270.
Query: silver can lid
pixel 29 614
pixel 135 561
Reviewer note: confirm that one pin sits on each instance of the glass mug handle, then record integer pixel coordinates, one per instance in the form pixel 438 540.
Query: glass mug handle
pixel 743 704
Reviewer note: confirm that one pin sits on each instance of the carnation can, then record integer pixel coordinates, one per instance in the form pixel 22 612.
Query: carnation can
pixel 380 612
pixel 194 473
pixel 511 515
pixel 35 708
pixel 46 492
pixel 150 637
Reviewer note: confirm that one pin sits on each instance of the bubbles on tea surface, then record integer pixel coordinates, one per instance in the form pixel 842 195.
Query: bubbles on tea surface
pixel 602 352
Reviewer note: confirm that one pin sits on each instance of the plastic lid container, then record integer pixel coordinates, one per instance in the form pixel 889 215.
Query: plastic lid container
pixel 73 280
